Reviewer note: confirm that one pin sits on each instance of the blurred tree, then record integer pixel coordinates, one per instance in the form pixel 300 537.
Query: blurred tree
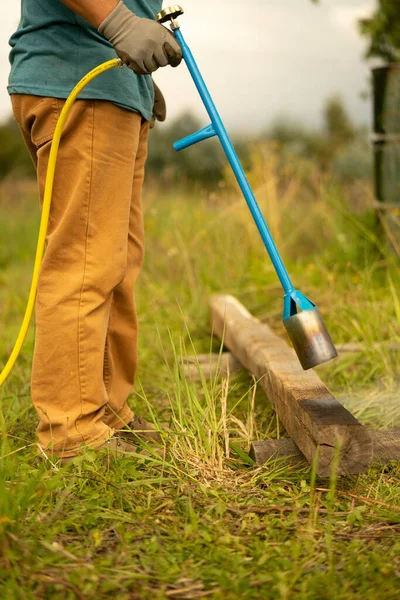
pixel 338 137
pixel 383 31
pixel 338 125
pixel 201 164
pixel 14 157
pixel 287 131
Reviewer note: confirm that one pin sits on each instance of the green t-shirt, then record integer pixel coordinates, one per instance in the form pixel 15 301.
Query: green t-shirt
pixel 53 48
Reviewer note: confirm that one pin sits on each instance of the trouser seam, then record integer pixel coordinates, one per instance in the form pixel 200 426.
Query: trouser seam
pixel 82 383
pixel 106 366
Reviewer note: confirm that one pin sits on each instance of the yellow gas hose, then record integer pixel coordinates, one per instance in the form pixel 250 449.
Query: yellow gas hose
pixel 48 191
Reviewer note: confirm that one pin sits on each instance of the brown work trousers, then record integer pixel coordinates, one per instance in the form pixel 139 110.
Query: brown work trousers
pixel 86 325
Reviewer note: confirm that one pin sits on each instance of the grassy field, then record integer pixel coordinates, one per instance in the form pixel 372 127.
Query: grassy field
pixel 205 523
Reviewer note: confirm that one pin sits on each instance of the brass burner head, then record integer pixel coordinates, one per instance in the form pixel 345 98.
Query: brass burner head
pixel 169 14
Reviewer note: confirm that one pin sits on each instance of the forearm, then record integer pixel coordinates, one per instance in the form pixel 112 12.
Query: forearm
pixel 94 11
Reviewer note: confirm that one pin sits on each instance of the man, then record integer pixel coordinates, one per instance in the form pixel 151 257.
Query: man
pixel 86 327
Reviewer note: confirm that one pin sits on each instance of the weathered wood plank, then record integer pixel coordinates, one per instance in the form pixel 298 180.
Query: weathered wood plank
pixel 210 366
pixel 385 447
pixel 350 347
pixel 310 413
pixel 219 365
pixel 284 449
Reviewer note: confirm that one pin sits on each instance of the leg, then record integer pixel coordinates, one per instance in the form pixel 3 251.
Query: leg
pixel 85 260
pixel 120 359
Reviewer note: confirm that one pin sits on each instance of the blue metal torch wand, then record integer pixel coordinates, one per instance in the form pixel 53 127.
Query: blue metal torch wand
pixel 306 329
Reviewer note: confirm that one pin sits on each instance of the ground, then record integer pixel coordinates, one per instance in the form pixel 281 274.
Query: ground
pixel 206 523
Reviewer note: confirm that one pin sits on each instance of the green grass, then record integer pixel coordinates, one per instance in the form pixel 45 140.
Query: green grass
pixel 204 523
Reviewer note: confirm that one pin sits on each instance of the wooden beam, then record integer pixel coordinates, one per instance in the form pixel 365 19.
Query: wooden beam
pixel 386 206
pixel 385 447
pixel 311 415
pixel 214 365
pixel 353 347
pixel 284 449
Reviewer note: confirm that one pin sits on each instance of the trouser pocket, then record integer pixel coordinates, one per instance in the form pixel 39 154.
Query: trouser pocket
pixel 36 116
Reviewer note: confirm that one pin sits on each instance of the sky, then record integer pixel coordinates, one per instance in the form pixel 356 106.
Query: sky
pixel 262 59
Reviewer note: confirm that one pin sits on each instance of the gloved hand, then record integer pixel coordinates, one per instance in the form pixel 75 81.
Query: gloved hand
pixel 141 44
pixel 160 107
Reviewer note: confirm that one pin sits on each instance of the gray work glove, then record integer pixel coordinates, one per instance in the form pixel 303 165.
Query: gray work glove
pixel 160 107
pixel 142 44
